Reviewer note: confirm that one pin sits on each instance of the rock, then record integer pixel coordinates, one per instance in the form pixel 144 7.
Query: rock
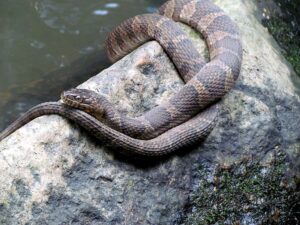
pixel 53 172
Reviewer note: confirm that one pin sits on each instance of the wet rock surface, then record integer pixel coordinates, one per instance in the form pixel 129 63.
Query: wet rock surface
pixel 53 172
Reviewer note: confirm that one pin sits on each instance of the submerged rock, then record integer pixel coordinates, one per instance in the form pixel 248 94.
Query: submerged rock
pixel 53 172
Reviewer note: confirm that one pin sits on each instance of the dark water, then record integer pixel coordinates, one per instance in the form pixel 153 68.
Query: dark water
pixel 51 45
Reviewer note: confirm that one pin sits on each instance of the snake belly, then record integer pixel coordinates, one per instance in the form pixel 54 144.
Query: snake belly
pixel 205 87
pixel 205 83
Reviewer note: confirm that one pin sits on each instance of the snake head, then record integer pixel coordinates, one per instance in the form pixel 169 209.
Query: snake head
pixel 83 99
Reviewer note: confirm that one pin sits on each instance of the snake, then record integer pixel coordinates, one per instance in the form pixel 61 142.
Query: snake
pixel 190 114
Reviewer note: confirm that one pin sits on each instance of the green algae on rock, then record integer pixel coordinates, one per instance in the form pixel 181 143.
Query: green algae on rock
pixel 282 18
pixel 246 192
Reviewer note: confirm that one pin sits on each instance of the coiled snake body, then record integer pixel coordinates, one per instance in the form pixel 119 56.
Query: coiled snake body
pixel 178 121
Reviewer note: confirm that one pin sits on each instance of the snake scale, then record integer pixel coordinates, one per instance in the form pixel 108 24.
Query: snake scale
pixel 187 116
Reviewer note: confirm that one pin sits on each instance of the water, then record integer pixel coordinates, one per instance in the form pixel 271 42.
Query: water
pixel 51 45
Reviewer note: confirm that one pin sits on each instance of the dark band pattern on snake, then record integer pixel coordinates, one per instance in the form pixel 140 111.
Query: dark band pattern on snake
pixel 191 113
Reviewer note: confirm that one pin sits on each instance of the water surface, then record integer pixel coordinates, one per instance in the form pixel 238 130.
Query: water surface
pixel 51 45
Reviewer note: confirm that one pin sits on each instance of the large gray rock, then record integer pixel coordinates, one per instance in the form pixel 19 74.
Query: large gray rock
pixel 53 172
